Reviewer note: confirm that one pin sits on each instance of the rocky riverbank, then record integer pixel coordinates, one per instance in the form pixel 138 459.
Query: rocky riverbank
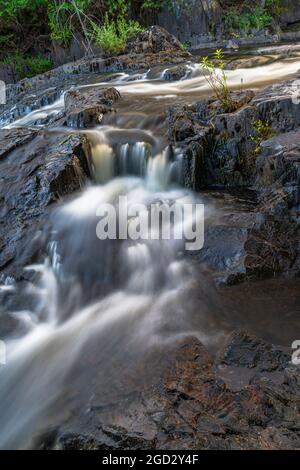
pixel 246 398
pixel 247 394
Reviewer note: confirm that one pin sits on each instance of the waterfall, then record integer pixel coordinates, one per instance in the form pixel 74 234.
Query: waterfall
pixel 100 306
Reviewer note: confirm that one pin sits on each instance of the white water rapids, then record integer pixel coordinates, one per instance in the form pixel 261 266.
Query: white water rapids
pixel 120 297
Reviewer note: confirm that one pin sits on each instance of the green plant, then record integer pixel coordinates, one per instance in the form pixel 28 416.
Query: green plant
pixel 10 8
pixel 112 35
pixel 234 21
pixel 186 45
pixel 260 19
pixel 274 7
pixel 62 16
pixel 59 21
pixel 28 66
pixel 217 79
pixel 263 131
pixel 156 4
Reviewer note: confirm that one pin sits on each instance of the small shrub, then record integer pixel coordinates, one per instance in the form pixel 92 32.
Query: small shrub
pixel 28 66
pixel 186 45
pixel 236 22
pixel 112 35
pixel 217 79
pixel 263 131
pixel 275 7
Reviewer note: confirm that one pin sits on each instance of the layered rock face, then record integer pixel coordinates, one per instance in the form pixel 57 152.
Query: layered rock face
pixel 191 20
pixel 87 109
pixel 37 169
pixel 200 22
pixel 230 150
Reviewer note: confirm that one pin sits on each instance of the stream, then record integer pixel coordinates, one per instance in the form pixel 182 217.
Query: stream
pixel 105 311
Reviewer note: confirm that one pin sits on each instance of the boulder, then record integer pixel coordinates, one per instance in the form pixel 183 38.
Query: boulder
pixel 279 161
pixel 154 40
pixel 213 143
pixel 86 108
pixel 279 105
pixel 37 169
pixel 176 73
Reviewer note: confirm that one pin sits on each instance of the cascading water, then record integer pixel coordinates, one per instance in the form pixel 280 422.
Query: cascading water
pixel 120 293
pixel 102 305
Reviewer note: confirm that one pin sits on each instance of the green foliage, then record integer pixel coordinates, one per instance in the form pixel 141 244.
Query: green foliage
pixel 235 21
pixel 28 66
pixel 274 7
pixel 156 4
pixel 117 8
pixel 10 10
pixel 112 35
pixel 263 131
pixel 62 16
pixel 186 45
pixel 59 21
pixel 217 79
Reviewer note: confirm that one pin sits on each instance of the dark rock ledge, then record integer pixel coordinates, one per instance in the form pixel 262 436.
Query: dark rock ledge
pixel 247 398
pixel 36 169
pixel 227 151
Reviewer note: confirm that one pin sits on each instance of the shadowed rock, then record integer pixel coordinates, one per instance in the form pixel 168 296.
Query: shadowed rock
pixel 36 169
pixel 247 398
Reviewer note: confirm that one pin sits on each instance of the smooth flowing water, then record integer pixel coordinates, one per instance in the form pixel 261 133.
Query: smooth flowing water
pixel 101 307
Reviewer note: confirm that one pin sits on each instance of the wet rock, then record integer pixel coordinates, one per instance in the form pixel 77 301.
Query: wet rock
pixel 246 398
pixel 37 169
pixel 177 73
pixel 14 138
pixel 213 143
pixel 24 102
pixel 273 247
pixel 154 40
pixel 32 93
pixel 279 105
pixel 245 350
pixel 227 150
pixel 230 157
pixel 279 161
pixel 86 108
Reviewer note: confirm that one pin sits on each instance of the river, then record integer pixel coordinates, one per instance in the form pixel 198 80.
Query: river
pixel 106 310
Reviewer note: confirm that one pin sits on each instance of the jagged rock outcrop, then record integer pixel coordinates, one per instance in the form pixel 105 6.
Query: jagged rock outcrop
pixel 36 169
pixel 153 40
pixel 248 397
pixel 258 146
pixel 191 20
